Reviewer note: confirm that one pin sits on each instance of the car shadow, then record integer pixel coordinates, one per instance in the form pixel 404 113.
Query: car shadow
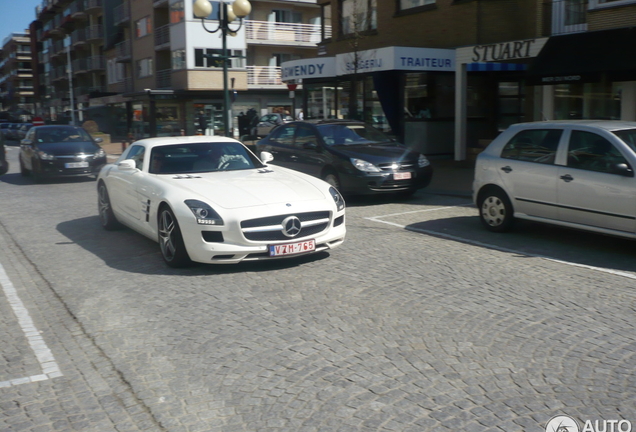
pixel 537 239
pixel 20 180
pixel 416 199
pixel 129 251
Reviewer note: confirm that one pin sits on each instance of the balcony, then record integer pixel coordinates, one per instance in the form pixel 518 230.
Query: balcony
pixel 93 6
pixel 124 86
pixel 162 37
pixel 164 79
pixel 264 77
pixel 76 9
pixel 276 33
pixel 94 33
pixel 121 14
pixel 123 51
pixel 564 16
pixel 78 37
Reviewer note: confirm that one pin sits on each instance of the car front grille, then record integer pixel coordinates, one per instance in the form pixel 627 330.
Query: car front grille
pixel 271 228
pixel 401 166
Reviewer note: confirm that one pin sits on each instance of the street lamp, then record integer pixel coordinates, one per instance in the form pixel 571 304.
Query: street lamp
pixel 227 13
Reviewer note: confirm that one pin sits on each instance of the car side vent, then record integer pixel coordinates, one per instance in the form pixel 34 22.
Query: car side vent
pixel 212 236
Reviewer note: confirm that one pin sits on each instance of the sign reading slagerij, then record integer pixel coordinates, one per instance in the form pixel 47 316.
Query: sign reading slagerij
pixel 396 58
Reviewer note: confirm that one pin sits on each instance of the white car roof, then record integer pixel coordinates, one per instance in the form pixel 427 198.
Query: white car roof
pixel 610 125
pixel 164 141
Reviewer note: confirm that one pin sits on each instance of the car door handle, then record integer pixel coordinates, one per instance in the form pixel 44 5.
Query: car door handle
pixel 567 178
pixel 506 169
pixel 293 157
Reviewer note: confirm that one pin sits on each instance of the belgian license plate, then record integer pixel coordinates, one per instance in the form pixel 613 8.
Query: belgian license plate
pixel 292 248
pixel 76 165
pixel 401 176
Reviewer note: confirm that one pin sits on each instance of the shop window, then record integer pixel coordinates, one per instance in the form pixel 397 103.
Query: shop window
pixel 321 101
pixel 510 106
pixel 428 96
pixel 358 16
pixel 587 101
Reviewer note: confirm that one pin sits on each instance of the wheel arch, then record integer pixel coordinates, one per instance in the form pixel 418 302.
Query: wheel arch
pixel 490 188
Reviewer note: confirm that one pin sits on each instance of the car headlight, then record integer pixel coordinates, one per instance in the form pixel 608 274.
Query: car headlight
pixel 365 166
pixel 340 203
pixel 204 213
pixel 422 161
pixel 99 153
pixel 45 156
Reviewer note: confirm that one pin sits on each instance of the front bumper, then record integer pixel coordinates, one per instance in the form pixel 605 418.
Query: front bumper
pixel 57 168
pixel 384 182
pixel 231 246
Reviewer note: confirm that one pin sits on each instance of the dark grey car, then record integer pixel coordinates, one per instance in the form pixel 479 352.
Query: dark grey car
pixel 352 156
pixel 60 151
pixel 4 165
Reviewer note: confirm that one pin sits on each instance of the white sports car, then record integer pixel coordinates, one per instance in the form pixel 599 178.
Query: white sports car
pixel 209 199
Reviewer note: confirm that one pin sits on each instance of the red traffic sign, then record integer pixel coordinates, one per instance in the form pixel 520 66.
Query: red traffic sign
pixel 292 87
pixel 37 121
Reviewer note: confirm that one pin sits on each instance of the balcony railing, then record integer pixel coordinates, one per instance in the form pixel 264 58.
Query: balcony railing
pixel 164 78
pixel 162 36
pixel 93 5
pixel 122 51
pixel 264 76
pixel 94 32
pixel 283 33
pixel 78 36
pixel 564 16
pixel 121 14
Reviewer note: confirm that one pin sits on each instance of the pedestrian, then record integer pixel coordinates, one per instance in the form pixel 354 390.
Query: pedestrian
pixel 300 116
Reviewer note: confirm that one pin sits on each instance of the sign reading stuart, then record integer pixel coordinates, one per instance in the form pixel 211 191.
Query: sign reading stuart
pixel 512 50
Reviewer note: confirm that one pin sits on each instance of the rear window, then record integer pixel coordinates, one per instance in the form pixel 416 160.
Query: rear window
pixel 533 145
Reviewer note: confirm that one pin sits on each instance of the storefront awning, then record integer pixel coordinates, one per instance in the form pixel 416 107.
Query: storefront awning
pixel 583 57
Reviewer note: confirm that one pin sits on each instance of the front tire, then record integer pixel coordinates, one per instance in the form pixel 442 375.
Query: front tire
pixel 495 210
pixel 332 179
pixel 106 216
pixel 171 242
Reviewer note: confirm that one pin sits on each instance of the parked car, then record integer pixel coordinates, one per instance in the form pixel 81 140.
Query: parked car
pixel 209 199
pixel 577 174
pixel 11 132
pixel 60 151
pixel 268 122
pixel 4 165
pixel 23 129
pixel 3 128
pixel 352 156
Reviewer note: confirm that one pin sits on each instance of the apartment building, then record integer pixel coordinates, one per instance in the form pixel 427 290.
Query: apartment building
pixel 147 67
pixel 16 76
pixel 446 76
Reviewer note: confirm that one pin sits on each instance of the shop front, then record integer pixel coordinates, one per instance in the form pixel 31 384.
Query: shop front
pixel 406 91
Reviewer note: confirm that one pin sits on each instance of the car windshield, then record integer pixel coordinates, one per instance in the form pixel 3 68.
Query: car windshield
pixel 62 134
pixel 192 158
pixel 628 136
pixel 352 134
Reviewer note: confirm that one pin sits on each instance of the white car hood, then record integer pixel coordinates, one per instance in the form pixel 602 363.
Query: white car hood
pixel 248 188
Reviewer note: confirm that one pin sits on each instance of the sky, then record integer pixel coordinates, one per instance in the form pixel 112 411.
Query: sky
pixel 16 16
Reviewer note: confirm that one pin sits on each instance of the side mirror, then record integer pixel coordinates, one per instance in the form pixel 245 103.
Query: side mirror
pixel 624 170
pixel 266 157
pixel 127 165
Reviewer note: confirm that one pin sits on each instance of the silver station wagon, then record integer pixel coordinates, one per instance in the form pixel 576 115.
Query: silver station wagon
pixel 578 174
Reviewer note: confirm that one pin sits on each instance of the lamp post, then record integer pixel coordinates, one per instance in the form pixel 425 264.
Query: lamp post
pixel 227 13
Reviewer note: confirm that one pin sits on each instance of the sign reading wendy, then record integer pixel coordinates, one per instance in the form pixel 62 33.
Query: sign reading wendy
pixel 321 67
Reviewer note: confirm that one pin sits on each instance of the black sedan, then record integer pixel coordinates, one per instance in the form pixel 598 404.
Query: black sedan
pixel 352 156
pixel 60 151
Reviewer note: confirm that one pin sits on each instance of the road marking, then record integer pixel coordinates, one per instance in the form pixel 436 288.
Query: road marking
pixel 488 245
pixel 47 362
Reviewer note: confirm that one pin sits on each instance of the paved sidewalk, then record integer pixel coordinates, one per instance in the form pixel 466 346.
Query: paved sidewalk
pixel 450 177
